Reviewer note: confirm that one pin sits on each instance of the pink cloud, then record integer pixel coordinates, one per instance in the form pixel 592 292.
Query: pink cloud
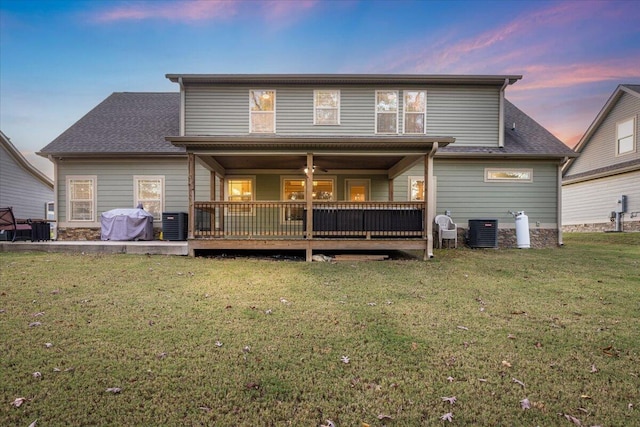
pixel 189 11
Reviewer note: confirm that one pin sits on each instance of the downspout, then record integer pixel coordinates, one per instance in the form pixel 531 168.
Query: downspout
pixel 559 202
pixel 429 200
pixel 55 195
pixel 183 97
pixel 501 115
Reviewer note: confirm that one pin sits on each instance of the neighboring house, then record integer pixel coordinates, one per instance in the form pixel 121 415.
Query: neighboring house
pixel 601 188
pixel 313 162
pixel 22 186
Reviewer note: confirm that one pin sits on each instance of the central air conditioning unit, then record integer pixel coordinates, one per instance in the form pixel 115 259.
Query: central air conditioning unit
pixel 174 225
pixel 483 233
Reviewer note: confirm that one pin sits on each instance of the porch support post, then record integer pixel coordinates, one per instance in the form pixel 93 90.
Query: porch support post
pixel 192 193
pixel 308 196
pixel 429 199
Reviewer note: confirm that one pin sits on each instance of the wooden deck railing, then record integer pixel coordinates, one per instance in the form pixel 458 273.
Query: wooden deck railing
pixel 288 220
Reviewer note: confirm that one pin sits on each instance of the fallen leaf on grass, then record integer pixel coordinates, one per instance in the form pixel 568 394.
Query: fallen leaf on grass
pixel 162 355
pixel 57 370
pixel 218 344
pixel 18 401
pixel 371 304
pixel 464 328
pixel 345 359
pixel 38 314
pixel 269 311
pixel 33 324
pixel 525 404
pixel 329 423
pixel 246 349
pixel 511 337
pixel 450 379
pixel 573 419
pixel 33 424
pixel 252 386
pixel 383 417
pixel 114 390
pixel 594 369
pixel 506 364
pixel 451 399
pixel 48 345
pixel 37 375
pixel 517 381
pixel 447 417
pixel 205 408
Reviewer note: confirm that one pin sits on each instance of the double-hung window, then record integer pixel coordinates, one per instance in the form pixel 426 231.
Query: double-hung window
pixel 387 111
pixel 625 141
pixel 326 107
pixel 148 191
pixel 262 110
pixel 415 111
pixel 81 196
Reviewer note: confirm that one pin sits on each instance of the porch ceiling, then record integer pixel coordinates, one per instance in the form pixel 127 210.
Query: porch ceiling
pixel 294 162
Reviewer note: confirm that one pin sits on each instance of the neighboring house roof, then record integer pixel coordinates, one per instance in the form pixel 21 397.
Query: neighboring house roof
pixel 633 90
pixel 126 123
pixel 524 137
pixel 23 162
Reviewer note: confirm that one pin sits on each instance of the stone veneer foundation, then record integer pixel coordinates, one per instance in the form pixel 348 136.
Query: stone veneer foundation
pixel 601 227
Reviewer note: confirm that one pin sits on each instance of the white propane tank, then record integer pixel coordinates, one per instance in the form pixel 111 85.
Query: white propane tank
pixel 522 230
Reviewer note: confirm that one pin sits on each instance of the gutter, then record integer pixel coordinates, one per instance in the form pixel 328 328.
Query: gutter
pixel 183 97
pixel 501 116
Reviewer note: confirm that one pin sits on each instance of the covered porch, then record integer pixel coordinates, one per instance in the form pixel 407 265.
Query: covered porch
pixel 309 217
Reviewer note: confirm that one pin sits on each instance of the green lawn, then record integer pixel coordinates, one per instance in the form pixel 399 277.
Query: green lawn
pixel 197 341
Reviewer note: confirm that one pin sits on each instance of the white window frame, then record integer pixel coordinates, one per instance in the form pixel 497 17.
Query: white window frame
pixel 93 200
pixel 489 171
pixel 252 112
pixel 377 111
pixel 317 108
pixel 620 137
pixel 411 180
pixel 136 194
pixel 405 112
pixel 228 195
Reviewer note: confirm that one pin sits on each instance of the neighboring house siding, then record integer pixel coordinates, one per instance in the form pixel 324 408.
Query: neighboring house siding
pixel 21 190
pixel 115 184
pixel 470 114
pixel 591 202
pixel 461 189
pixel 601 148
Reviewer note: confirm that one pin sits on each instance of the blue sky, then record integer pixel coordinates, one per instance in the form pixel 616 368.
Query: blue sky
pixel 59 59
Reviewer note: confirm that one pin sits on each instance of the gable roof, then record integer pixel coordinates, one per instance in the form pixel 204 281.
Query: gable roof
pixel 633 90
pixel 524 137
pixel 138 124
pixel 23 162
pixel 125 123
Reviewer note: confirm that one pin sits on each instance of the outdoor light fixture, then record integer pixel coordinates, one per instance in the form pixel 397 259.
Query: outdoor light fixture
pixel 306 169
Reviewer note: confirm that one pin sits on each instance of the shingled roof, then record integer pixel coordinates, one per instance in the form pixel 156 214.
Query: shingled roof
pixel 124 123
pixel 523 137
pixel 130 123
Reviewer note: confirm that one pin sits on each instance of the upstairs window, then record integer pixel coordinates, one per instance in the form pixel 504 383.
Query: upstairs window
pixel 81 191
pixel 387 111
pixel 625 136
pixel 326 107
pixel 262 111
pixel 415 111
pixel 149 191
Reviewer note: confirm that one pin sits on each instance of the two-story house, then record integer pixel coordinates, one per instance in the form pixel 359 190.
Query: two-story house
pixel 313 162
pixel 601 188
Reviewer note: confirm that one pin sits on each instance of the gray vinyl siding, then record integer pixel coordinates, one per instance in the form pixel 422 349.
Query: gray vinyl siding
pixel 462 190
pixel 21 190
pixel 600 150
pixel 591 202
pixel 115 183
pixel 470 114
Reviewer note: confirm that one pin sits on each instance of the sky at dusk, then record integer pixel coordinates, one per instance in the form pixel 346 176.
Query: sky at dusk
pixel 59 59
